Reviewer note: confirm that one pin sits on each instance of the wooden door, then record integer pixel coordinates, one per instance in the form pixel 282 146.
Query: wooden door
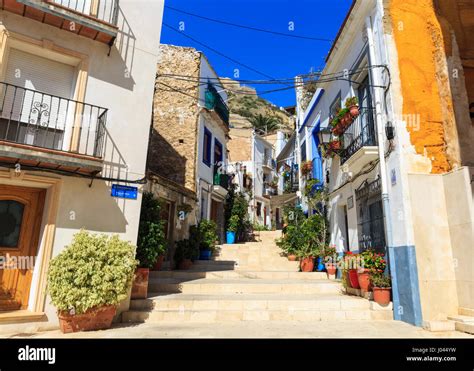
pixel 214 209
pixel 21 212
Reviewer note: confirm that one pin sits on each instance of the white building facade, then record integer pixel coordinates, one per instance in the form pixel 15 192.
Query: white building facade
pixel 74 127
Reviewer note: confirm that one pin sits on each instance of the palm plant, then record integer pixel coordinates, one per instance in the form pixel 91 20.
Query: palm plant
pixel 264 123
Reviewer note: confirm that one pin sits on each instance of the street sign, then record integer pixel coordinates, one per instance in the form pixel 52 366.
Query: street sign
pixel 122 191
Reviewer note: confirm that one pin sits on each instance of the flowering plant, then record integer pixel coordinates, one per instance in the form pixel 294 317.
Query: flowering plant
pixel 373 261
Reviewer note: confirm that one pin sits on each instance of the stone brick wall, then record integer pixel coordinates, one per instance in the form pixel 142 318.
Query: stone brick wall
pixel 172 149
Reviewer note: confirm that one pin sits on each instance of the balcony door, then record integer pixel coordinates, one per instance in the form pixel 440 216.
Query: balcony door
pixel 35 103
pixel 366 128
pixel 21 212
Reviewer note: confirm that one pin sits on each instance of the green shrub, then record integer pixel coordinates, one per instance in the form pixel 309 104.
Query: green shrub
pixel 186 249
pixel 380 280
pixel 151 241
pixel 207 232
pixel 234 223
pixel 94 270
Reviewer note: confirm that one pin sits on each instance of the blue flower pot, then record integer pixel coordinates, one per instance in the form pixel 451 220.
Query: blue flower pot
pixel 320 264
pixel 230 237
pixel 205 255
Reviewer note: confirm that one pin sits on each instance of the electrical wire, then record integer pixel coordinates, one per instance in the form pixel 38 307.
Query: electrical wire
pixel 249 27
pixel 218 52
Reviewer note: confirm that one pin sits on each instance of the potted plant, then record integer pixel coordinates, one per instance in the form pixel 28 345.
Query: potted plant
pixel 151 242
pixel 205 236
pixel 330 260
pixel 352 104
pixel 351 261
pixel 88 279
pixel 186 252
pixel 232 228
pixel 371 261
pixel 309 241
pixel 381 287
pixel 288 243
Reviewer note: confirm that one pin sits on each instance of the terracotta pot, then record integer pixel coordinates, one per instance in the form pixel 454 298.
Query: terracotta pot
pixel 291 257
pixel 348 280
pixel 98 318
pixel 364 279
pixel 185 264
pixel 140 283
pixel 348 119
pixel 353 279
pixel 382 295
pixel 159 263
pixel 354 110
pixel 331 269
pixel 335 145
pixel 307 264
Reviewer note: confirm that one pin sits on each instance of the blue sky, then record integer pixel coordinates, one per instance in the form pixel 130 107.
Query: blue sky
pixel 275 56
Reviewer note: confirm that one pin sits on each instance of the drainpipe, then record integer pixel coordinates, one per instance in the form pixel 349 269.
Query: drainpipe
pixel 379 99
pixel 254 177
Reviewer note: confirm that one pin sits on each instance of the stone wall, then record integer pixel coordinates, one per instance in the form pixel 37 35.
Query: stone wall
pixel 180 199
pixel 172 149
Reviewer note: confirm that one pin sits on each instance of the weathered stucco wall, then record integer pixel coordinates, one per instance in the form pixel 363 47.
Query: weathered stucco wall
pixel 457 20
pixel 172 150
pixel 420 46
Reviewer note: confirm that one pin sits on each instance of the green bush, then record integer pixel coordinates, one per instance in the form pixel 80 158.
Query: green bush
pixel 94 270
pixel 204 235
pixel 151 236
pixel 234 224
pixel 304 237
pixel 380 280
pixel 207 235
pixel 186 249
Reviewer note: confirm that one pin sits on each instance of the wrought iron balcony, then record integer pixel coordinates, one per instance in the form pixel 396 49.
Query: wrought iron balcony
pixel 215 102
pixel 94 19
pixel 36 119
pixel 360 133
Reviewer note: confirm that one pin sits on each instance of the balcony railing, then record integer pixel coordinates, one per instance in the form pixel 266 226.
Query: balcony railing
pixel 93 19
pixel 215 102
pixel 221 180
pixel 103 10
pixel 43 120
pixel 359 134
pixel 269 162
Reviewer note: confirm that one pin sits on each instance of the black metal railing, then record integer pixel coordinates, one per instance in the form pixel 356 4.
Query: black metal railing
pixel 215 102
pixel 103 10
pixel 359 134
pixel 43 120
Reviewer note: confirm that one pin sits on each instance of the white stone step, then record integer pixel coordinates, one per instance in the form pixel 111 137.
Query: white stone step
pixel 231 274
pixel 288 302
pixel 225 265
pixel 210 316
pixel 243 286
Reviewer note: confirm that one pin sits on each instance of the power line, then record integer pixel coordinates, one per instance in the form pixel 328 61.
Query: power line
pixel 218 52
pixel 249 27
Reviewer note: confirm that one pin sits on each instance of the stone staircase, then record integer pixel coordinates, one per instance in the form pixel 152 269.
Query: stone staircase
pixel 248 282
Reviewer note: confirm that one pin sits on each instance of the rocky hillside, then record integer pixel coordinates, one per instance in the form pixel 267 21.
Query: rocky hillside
pixel 244 102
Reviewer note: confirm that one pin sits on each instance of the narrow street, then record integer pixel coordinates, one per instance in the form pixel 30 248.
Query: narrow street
pixel 250 291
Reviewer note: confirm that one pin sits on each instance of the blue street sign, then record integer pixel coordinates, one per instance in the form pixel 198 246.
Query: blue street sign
pixel 124 191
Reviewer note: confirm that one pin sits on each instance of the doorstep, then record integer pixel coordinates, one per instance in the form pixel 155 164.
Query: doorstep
pixel 20 316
